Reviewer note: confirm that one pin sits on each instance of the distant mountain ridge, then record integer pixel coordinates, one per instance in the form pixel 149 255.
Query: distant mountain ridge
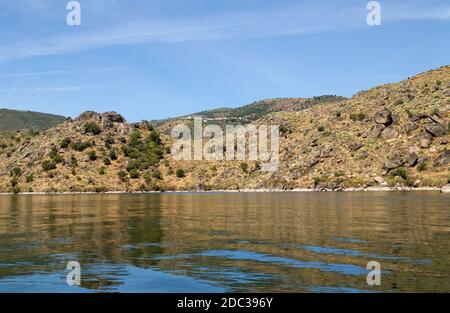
pixel 256 110
pixel 13 120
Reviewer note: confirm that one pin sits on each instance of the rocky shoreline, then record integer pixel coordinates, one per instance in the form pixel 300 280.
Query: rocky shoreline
pixel 445 189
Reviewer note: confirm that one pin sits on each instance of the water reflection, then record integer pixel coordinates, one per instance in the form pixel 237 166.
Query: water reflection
pixel 295 242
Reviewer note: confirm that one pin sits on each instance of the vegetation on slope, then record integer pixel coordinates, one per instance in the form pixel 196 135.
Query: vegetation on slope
pixel 11 120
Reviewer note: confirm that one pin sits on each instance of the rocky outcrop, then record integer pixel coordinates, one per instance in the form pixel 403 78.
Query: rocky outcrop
pixel 406 157
pixel 436 129
pixel 384 117
pixel 389 133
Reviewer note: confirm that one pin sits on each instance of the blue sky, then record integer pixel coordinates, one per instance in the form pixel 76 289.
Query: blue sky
pixel 153 59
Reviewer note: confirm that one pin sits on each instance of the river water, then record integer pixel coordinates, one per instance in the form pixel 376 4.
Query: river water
pixel 226 242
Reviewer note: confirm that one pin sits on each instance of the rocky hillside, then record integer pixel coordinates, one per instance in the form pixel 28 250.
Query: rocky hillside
pixel 12 120
pixel 93 153
pixel 392 135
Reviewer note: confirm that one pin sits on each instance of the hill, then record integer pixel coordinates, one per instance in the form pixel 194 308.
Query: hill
pixel 248 113
pixel 393 135
pixel 12 120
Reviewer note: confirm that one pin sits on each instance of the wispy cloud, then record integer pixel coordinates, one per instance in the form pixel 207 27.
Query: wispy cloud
pixel 46 89
pixel 286 21
pixel 64 72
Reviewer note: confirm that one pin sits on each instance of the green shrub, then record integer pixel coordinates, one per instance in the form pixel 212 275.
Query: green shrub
pixel 16 190
pixel 66 142
pixel 80 145
pixel 145 152
pixel 106 161
pixel 357 116
pixel 48 165
pixel 102 170
pixel 14 182
pixel 134 174
pixel 123 176
pixel 92 155
pixel 58 159
pixel 320 128
pixel 53 153
pixel 29 178
pixel 92 128
pixel 180 173
pixel 110 140
pixel 157 175
pixel 113 155
pixel 338 114
pixel 148 178
pixel 244 167
pixel 16 172
pixel 73 161
pixel 339 174
pixel 400 172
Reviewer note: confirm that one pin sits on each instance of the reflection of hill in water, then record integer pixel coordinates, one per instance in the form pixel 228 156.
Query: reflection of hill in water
pixel 246 242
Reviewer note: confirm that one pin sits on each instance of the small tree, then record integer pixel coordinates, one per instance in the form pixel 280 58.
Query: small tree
pixel 92 128
pixel 92 155
pixel 157 175
pixel 180 173
pixel 123 176
pixel 244 167
pixel 66 142
pixel 134 174
pixel 48 165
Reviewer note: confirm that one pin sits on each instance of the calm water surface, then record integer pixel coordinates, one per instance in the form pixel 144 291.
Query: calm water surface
pixel 255 242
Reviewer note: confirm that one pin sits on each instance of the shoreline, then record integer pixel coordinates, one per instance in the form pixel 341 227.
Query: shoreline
pixel 297 190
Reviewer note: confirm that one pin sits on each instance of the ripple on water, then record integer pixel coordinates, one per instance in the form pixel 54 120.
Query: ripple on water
pixel 347 269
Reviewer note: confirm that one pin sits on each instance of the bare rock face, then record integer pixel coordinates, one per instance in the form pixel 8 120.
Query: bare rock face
pixel 436 129
pixel 376 130
pixel 409 158
pixel 354 146
pixel 384 117
pixel 406 157
pixel 389 133
pixel 443 159
pixel 425 139
pixel 113 117
pixel 395 161
pixel 410 127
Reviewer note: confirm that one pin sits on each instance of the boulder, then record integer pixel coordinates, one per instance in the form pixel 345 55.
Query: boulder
pixel 389 133
pixel 376 130
pixel 410 127
pixel 445 189
pixel 383 117
pixel 436 129
pixel 113 117
pixel 409 158
pixel 354 146
pixel 443 159
pixel 406 157
pixel 394 161
pixel 425 139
